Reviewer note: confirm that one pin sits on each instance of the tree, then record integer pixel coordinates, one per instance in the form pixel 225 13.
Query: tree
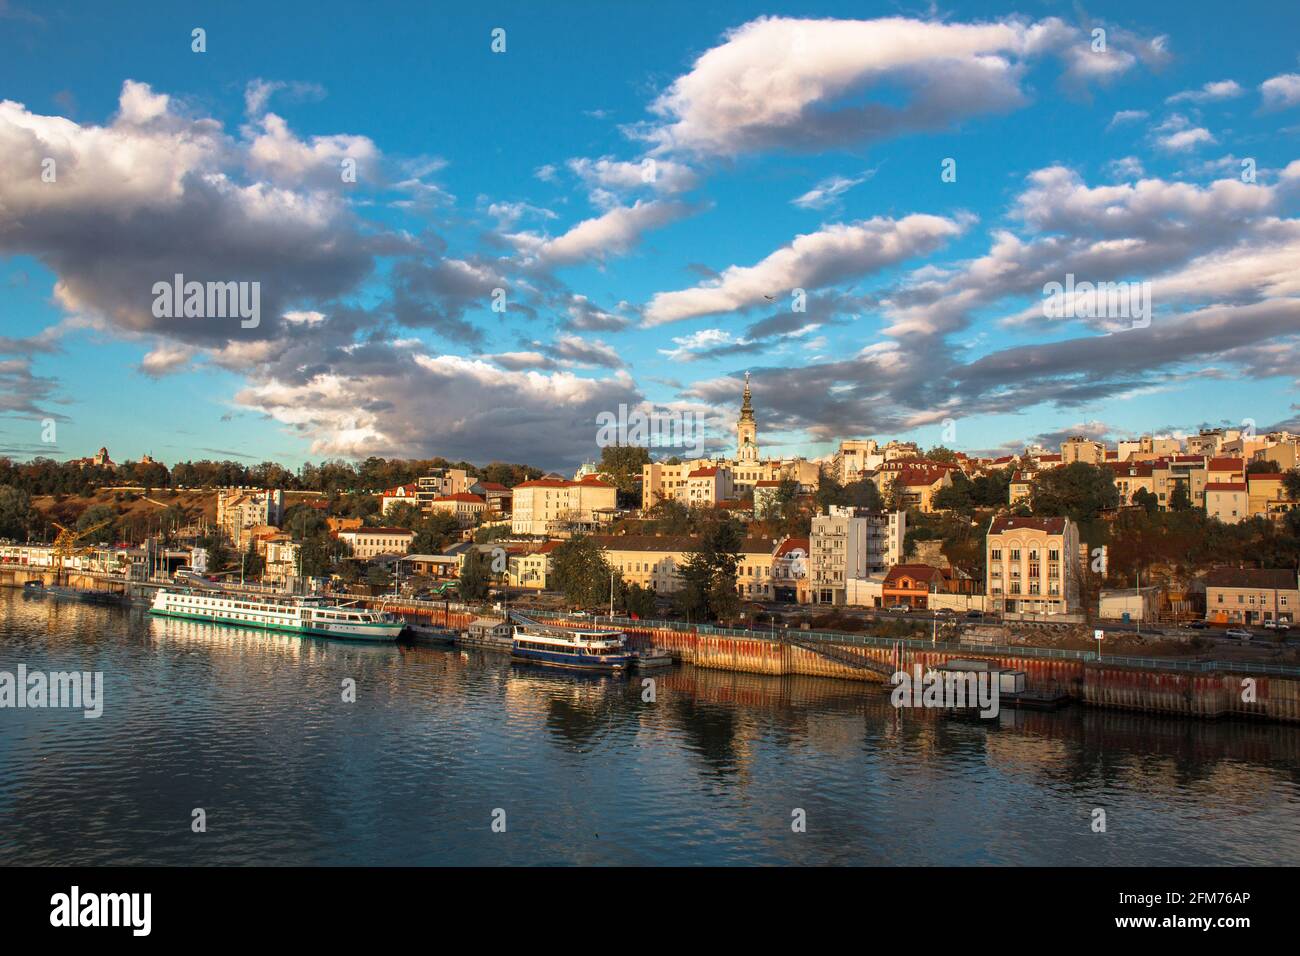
pixel 638 601
pixel 893 495
pixel 1147 501
pixel 433 532
pixel 1291 482
pixel 475 576
pixel 16 513
pixel 253 562
pixel 1179 498
pixel 1078 491
pixel 709 576
pixel 623 464
pixel 1261 466
pixel 942 454
pixel 96 514
pixel 580 572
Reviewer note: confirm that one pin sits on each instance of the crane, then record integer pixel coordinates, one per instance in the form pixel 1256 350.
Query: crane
pixel 65 544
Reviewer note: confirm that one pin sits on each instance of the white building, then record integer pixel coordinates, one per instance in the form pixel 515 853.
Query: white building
pixel 852 544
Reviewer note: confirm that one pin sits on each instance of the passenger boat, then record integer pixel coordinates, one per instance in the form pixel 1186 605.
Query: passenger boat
pixel 576 649
pixel 309 616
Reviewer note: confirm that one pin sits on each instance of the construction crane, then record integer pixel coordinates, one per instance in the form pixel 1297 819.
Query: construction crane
pixel 65 544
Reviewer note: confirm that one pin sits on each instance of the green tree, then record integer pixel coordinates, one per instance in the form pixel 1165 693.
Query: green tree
pixel 433 532
pixel 709 576
pixel 638 601
pixel 623 464
pixel 17 517
pixel 1146 500
pixel 1078 491
pixel 580 572
pixel 1179 498
pixel 93 516
pixel 475 576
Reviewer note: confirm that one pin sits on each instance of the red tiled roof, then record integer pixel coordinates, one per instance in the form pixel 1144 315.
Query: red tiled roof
pixel 1227 464
pixel 401 491
pixel 1265 476
pixel 1225 486
pixel 703 473
pixel 790 544
pixel 920 572
pixel 364 530
pixel 462 496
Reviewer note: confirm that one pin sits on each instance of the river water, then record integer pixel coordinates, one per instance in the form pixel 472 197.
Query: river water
pixel 461 757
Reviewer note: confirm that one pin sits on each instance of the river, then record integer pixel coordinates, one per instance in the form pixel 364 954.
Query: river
pixel 458 757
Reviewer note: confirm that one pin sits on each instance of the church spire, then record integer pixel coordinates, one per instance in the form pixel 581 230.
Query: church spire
pixel 746 409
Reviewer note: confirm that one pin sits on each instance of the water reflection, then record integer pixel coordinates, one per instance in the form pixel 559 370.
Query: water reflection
pixel 252 726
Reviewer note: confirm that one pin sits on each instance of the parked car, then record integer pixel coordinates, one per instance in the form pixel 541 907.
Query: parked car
pixel 1196 625
pixel 944 612
pixel 974 615
pixel 1239 633
pixel 899 608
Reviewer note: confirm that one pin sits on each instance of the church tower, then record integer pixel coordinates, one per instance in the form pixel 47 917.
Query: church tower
pixel 746 430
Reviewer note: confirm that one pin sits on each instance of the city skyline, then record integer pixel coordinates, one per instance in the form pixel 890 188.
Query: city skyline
pixel 471 245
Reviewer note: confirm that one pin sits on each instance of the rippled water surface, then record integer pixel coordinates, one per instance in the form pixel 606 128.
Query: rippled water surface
pixel 251 727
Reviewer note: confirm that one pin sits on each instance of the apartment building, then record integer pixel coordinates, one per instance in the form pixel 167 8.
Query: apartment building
pixel 367 543
pixel 495 494
pixel 1032 565
pixel 1084 449
pixel 707 486
pixel 1228 501
pixel 466 507
pixel 548 506
pixel 402 494
pixel 917 484
pixel 1251 595
pixel 1020 490
pixel 790 570
pixel 239 510
pixel 851 543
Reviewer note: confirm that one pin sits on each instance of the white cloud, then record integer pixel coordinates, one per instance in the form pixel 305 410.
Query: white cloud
pixel 829 190
pixel 777 82
pixel 833 254
pixel 1281 91
pixel 614 232
pixel 1220 90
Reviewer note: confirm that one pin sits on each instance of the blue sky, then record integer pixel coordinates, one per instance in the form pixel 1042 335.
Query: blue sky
pixel 639 180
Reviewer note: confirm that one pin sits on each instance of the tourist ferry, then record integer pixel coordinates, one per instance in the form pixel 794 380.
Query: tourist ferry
pixel 576 649
pixel 311 616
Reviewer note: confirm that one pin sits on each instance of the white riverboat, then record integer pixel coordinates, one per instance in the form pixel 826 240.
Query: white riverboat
pixel 574 648
pixel 309 616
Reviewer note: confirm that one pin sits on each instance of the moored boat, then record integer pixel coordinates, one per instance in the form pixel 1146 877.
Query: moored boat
pixel 651 657
pixel 573 648
pixel 308 616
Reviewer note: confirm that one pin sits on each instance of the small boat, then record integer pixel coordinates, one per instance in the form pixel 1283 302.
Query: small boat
pixel 429 634
pixel 34 589
pixel 308 616
pixel 85 596
pixel 651 657
pixel 575 649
